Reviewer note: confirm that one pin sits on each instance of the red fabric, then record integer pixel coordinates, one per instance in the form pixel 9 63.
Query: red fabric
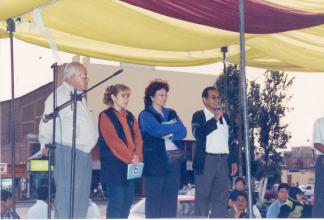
pixel 260 17
pixel 122 151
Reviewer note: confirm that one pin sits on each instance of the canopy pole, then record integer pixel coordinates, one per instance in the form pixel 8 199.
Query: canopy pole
pixel 224 51
pixel 244 104
pixel 11 27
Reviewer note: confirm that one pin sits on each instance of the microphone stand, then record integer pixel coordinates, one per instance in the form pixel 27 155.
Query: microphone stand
pixel 50 116
pixel 74 98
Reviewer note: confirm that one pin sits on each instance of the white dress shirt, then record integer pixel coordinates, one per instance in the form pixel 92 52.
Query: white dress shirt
pixel 318 133
pixel 86 132
pixel 38 210
pixel 217 141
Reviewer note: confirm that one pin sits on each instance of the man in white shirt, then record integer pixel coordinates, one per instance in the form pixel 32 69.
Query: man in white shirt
pixel 75 77
pixel 215 156
pixel 93 210
pixel 318 140
pixel 39 209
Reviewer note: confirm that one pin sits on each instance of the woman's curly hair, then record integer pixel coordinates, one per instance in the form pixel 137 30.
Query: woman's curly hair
pixel 151 89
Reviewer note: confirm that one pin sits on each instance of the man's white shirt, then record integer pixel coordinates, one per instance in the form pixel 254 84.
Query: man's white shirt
pixel 318 133
pixel 217 140
pixel 38 210
pixel 86 132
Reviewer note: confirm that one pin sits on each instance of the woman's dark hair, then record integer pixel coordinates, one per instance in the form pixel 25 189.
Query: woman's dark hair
pixel 43 193
pixel 151 89
pixel 293 192
pixel 113 90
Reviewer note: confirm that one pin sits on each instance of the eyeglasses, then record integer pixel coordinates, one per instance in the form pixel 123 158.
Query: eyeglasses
pixel 214 97
pixel 85 77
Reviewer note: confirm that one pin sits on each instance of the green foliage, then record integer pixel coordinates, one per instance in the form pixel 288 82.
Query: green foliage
pixel 274 173
pixel 230 83
pixel 268 133
pixel 267 106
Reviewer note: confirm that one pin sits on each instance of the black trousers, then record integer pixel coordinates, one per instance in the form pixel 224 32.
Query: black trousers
pixel 318 209
pixel 161 194
pixel 120 199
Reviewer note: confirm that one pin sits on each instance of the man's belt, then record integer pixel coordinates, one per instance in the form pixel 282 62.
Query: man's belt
pixel 219 155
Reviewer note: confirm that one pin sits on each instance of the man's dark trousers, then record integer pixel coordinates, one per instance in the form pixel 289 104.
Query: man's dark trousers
pixel 212 187
pixel 318 209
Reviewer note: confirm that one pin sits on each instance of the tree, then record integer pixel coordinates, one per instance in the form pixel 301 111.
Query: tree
pixel 268 132
pixel 228 85
pixel 267 106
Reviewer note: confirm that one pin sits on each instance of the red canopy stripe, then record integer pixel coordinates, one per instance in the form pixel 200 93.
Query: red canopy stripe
pixel 260 17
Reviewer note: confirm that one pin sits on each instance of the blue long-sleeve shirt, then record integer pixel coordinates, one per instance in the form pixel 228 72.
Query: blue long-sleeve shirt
pixel 149 124
pixel 274 209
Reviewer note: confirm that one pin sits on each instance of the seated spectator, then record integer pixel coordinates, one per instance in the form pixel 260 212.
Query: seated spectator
pixel 239 186
pixel 93 211
pixel 308 208
pixel 39 209
pixel 295 207
pixel 6 205
pixel 240 204
pixel 274 208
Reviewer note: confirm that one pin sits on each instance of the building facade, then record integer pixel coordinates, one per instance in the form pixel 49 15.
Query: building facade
pixel 28 110
pixel 299 166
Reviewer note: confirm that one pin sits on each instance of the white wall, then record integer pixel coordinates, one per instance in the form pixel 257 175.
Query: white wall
pixel 184 95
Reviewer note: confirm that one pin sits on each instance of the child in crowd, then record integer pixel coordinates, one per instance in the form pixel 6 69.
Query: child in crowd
pixel 239 188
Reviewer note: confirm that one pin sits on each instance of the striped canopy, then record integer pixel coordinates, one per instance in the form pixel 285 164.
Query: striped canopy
pixel 280 35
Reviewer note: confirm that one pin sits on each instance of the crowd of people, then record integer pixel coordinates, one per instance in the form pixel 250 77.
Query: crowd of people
pixel 153 138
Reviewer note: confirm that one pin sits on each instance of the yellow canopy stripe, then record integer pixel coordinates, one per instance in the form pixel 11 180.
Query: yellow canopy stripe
pixel 13 8
pixel 115 30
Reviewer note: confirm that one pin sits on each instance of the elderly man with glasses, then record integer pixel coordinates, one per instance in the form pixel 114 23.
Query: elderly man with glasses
pixel 75 77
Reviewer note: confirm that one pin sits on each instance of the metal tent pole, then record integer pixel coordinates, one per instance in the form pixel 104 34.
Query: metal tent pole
pixel 11 28
pixel 244 104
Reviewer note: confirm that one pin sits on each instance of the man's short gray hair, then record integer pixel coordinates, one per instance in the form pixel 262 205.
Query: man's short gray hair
pixel 71 68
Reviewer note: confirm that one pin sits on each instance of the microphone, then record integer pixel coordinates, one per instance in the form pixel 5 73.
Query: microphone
pixel 220 106
pixel 47 117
